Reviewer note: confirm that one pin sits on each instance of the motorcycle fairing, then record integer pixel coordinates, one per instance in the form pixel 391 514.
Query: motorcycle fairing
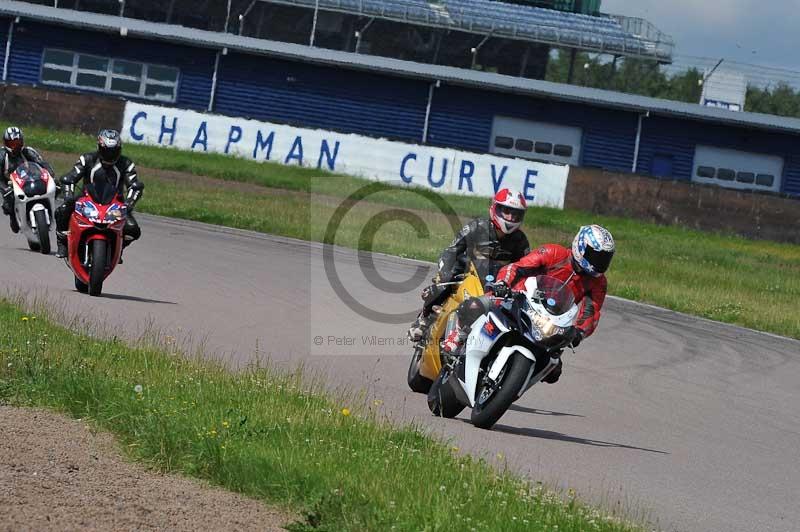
pixel 34 190
pixel 90 222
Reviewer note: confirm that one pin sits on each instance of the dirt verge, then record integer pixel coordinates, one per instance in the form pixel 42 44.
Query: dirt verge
pixel 57 474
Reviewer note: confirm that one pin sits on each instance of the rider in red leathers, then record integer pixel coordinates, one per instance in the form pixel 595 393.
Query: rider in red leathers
pixel 582 268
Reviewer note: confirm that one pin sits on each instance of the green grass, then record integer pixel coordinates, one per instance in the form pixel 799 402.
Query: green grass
pixel 274 437
pixel 726 278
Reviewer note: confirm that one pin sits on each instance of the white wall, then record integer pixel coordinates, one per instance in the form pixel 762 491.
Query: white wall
pixel 441 169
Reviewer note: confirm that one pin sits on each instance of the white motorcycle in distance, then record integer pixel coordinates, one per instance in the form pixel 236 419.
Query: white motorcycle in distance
pixel 508 350
pixel 34 203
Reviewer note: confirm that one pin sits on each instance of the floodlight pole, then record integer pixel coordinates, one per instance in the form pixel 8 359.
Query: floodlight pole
pixel 227 17
pixel 121 8
pixel 477 49
pixel 360 33
pixel 243 15
pixel 572 55
pixel 314 24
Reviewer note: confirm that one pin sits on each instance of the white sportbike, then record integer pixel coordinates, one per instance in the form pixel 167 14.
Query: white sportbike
pixel 34 203
pixel 509 349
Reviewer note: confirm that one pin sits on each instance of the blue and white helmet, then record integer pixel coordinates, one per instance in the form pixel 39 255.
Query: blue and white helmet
pixel 592 250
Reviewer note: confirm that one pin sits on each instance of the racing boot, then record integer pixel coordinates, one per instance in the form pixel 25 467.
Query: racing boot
pixel 454 341
pixel 61 252
pixel 555 374
pixel 8 208
pixel 12 221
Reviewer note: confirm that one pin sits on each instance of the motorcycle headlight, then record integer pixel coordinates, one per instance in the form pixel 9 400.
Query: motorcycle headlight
pixel 88 210
pixel 115 214
pixel 545 325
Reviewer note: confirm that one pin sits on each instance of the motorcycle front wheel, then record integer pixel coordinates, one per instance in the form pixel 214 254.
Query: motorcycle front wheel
pixel 97 269
pixel 43 231
pixel 492 402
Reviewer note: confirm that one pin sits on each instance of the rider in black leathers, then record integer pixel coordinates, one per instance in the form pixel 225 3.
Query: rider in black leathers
pixel 16 153
pixel 489 243
pixel 107 163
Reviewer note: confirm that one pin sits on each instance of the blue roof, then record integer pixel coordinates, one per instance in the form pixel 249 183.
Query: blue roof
pixel 456 76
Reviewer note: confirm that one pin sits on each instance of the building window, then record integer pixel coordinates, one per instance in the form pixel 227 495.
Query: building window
pixel 765 180
pixel 524 145
pixel 726 174
pixel 562 150
pixel 544 147
pixel 114 76
pixel 706 171
pixel 506 143
pixel 746 177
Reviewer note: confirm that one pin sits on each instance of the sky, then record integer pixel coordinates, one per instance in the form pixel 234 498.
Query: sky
pixel 762 32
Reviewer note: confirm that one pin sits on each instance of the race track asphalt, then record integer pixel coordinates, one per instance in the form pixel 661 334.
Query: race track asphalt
pixel 694 424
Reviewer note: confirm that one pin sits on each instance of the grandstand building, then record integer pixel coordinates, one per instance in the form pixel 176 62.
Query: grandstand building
pixel 514 38
pixel 177 54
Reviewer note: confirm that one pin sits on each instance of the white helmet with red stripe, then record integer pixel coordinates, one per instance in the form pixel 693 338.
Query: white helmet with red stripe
pixel 508 210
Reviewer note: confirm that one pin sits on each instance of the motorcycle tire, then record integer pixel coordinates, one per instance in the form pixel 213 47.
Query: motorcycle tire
pixel 417 382
pixel 484 416
pixel 43 231
pixel 97 269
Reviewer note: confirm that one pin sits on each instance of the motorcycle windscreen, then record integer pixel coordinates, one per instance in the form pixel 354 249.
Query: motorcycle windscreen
pixel 33 180
pixel 101 191
pixel 555 295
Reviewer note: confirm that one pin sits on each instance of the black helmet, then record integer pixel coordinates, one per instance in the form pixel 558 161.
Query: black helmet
pixel 109 146
pixel 13 140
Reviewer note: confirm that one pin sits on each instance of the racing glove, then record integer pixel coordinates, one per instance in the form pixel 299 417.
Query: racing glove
pixel 499 289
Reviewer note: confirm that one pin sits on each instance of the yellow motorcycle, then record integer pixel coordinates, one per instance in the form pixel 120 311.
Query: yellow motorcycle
pixel 426 362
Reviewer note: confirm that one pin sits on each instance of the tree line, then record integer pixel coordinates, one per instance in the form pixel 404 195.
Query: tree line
pixel 647 78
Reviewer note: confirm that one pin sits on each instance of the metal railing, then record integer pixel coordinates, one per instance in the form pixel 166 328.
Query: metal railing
pixel 615 35
pixel 594 34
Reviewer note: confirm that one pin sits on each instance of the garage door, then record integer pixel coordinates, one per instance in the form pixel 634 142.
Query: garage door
pixel 540 141
pixel 737 169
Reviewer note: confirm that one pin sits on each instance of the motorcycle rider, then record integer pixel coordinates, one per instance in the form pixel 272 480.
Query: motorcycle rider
pixel 15 153
pixel 488 242
pixel 582 268
pixel 108 164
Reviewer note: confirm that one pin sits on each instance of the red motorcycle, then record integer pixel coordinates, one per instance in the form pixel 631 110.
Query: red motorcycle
pixel 95 236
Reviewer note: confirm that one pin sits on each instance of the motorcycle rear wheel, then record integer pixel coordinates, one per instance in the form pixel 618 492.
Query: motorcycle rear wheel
pixel 97 270
pixel 485 415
